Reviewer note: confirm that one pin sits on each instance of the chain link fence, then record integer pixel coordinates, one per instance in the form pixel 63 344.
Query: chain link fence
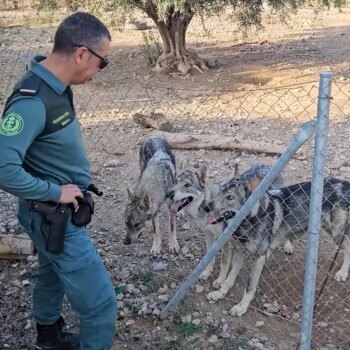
pixel 259 123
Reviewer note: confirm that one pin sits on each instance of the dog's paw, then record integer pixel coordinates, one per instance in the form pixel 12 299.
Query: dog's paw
pixel 174 247
pixel 206 273
pixel 288 248
pixel 218 282
pixel 239 309
pixel 342 275
pixel 156 250
pixel 215 296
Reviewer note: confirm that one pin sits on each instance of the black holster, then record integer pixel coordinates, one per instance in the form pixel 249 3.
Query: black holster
pixel 54 218
pixel 83 214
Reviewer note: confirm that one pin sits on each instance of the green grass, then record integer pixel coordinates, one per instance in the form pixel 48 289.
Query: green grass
pixel 149 279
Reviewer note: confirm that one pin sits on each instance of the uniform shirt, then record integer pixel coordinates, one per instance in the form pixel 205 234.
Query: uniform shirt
pixel 34 166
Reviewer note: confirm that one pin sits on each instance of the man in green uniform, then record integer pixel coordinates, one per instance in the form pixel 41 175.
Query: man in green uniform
pixel 43 161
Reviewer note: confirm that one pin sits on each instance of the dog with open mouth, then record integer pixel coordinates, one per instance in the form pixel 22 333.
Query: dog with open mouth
pixel 278 216
pixel 193 195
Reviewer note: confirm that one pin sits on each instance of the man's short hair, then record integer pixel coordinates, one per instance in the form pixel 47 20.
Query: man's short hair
pixel 79 28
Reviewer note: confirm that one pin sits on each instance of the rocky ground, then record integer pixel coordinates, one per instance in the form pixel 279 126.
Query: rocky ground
pixel 263 88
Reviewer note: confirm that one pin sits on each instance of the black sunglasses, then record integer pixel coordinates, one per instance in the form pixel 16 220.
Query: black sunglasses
pixel 104 61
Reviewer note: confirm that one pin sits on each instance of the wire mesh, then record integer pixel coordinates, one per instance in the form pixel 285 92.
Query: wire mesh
pixel 261 121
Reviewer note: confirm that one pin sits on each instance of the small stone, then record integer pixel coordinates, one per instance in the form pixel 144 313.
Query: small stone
pixel 156 312
pixel 186 319
pixel 32 258
pixel 271 308
pixel 196 322
pixel 112 163
pixel 164 298
pixel 159 266
pixel 225 335
pixel 173 285
pixel 185 250
pixel 322 324
pixel 259 324
pixel 17 283
pixel 13 223
pixel 129 323
pixel 162 290
pixel 213 339
pixel 28 325
pixel 199 288
pixel 186 226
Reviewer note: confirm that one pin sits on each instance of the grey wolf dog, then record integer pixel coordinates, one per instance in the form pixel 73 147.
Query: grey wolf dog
pixel 279 215
pixel 192 193
pixel 158 175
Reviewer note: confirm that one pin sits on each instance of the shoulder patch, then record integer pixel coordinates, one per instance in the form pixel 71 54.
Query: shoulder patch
pixel 11 125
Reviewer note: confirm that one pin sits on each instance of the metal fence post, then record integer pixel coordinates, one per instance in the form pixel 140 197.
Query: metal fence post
pixel 304 133
pixel 319 162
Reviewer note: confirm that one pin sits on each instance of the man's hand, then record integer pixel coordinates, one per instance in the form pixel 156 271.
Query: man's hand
pixel 68 194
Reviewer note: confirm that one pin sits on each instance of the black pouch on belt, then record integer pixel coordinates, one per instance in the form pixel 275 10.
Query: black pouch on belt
pixel 83 214
pixel 54 218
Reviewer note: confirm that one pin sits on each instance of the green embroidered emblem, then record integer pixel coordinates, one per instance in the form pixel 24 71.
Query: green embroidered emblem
pixel 11 125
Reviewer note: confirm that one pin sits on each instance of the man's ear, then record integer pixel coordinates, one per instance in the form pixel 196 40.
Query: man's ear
pixel 79 53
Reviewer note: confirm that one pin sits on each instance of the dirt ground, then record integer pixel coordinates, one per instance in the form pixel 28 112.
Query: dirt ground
pixel 263 87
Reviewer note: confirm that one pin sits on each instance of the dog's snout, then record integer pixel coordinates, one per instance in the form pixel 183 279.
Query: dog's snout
pixel 209 207
pixel 171 194
pixel 127 240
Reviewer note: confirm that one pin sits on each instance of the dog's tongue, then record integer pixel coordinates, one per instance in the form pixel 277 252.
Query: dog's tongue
pixel 211 219
pixel 175 207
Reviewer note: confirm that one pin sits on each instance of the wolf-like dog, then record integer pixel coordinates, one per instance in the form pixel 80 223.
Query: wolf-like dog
pixel 279 215
pixel 192 193
pixel 158 176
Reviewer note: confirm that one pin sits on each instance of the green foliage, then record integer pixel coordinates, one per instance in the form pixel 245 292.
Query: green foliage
pixel 149 280
pixel 236 344
pixel 48 5
pixel 187 329
pixel 151 48
pixel 247 12
pixel 120 289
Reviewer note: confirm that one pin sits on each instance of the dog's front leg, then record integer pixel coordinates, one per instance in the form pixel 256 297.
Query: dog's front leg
pixel 157 241
pixel 343 273
pixel 236 263
pixel 287 247
pixel 226 256
pixel 209 241
pixel 173 244
pixel 249 293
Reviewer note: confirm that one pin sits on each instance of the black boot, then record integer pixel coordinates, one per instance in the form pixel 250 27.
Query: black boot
pixel 52 337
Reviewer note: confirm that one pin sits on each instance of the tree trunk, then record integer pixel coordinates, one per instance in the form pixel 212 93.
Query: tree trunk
pixel 176 57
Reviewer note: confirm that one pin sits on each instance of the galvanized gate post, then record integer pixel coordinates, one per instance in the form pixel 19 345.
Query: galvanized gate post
pixel 319 162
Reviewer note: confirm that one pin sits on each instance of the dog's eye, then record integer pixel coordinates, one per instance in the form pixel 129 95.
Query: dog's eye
pixel 187 185
pixel 137 225
pixel 229 197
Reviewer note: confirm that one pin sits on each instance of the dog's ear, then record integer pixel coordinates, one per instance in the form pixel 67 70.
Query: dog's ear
pixel 203 174
pixel 236 173
pixel 184 164
pixel 130 195
pixel 252 184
